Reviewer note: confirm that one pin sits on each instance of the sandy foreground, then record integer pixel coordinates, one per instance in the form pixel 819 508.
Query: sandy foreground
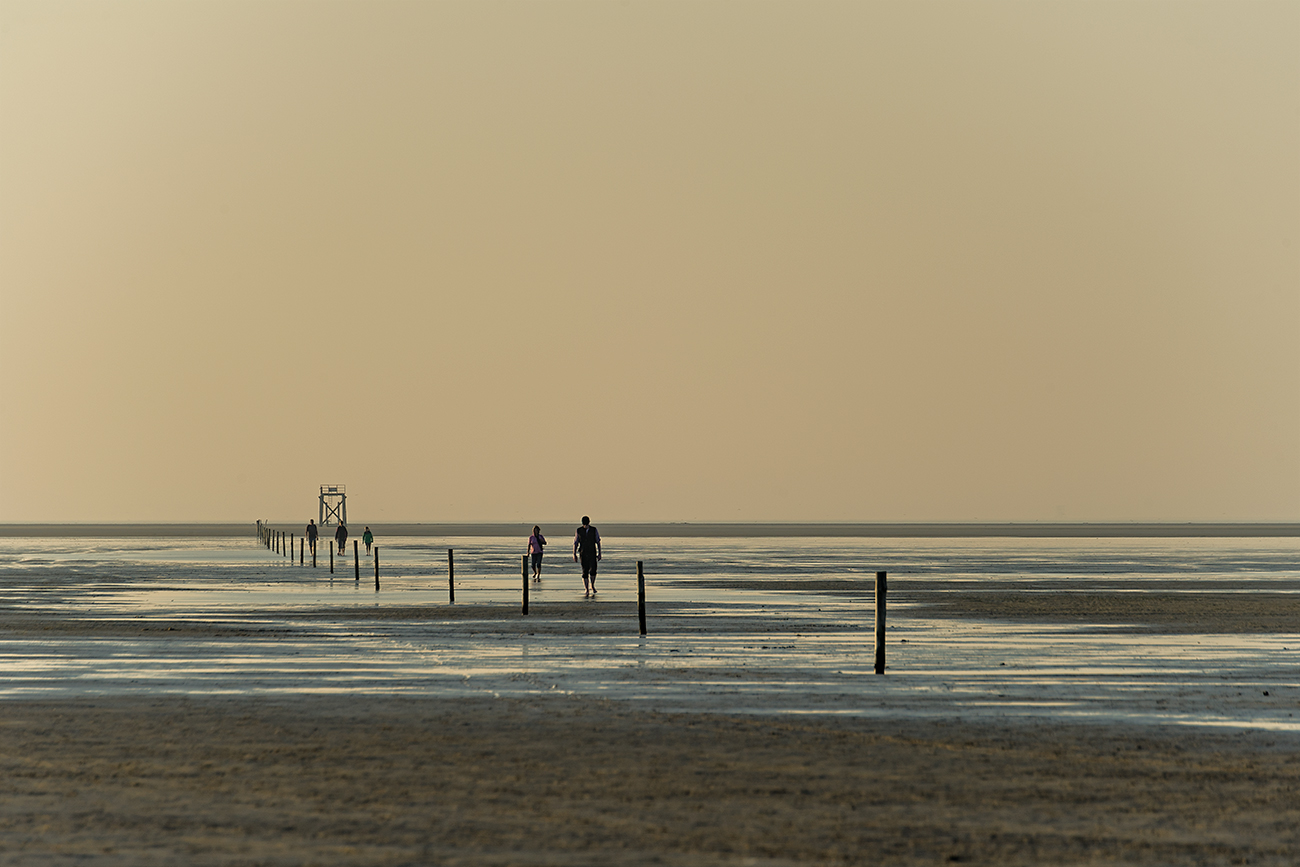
pixel 341 780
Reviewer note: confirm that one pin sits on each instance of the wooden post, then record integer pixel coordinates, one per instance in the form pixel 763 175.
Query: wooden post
pixel 284 548
pixel 302 551
pixel 451 578
pixel 331 556
pixel 524 568
pixel 356 562
pixel 880 623
pixel 640 596
pixel 313 555
pixel 376 568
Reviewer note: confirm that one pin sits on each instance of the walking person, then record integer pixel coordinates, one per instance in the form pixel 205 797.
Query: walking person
pixel 341 536
pixel 536 543
pixel 586 545
pixel 312 532
pixel 367 539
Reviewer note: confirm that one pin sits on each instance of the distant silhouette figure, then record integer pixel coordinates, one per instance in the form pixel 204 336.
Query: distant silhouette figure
pixel 312 532
pixel 586 545
pixel 341 536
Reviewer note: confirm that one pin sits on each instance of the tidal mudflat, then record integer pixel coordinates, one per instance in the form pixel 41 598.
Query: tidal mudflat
pixel 1090 701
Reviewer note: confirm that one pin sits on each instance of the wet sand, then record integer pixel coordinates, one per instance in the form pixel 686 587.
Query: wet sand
pixel 364 779
pixel 336 780
pixel 1209 613
pixel 1173 613
pixel 198 724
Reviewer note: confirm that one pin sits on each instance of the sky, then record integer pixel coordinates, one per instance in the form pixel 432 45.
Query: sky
pixel 650 261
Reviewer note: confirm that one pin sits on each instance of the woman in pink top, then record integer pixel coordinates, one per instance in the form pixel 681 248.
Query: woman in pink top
pixel 535 544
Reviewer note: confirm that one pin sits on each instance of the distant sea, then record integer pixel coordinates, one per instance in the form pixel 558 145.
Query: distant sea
pixel 1027 530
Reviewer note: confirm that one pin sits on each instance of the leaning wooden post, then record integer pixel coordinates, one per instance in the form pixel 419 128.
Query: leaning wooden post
pixel 640 596
pixel 376 568
pixel 880 623
pixel 451 578
pixel 524 569
pixel 356 562
pixel 331 556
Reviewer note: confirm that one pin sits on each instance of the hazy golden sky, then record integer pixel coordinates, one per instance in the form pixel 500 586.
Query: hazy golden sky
pixel 650 260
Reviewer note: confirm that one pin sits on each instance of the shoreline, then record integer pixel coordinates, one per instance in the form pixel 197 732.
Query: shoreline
pixel 884 530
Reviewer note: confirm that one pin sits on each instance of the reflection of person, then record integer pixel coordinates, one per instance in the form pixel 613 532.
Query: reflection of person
pixel 341 536
pixel 311 535
pixel 536 543
pixel 586 545
pixel 367 539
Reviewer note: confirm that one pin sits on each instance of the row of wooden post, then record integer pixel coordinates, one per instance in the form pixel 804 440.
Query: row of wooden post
pixel 274 539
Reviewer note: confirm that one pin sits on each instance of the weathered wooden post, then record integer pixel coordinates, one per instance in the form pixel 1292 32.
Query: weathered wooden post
pixel 376 568
pixel 313 555
pixel 302 551
pixel 880 623
pixel 331 556
pixel 451 578
pixel 640 596
pixel 524 569
pixel 356 562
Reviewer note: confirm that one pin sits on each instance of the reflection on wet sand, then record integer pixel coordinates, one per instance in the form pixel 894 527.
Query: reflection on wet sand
pixel 730 635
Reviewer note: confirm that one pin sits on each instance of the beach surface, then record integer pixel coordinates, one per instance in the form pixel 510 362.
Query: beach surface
pixel 213 703
pixel 335 780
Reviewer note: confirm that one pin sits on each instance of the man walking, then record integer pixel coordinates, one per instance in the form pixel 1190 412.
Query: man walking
pixel 311 536
pixel 341 536
pixel 586 545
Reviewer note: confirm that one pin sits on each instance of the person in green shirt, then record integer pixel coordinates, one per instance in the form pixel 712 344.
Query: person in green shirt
pixel 369 538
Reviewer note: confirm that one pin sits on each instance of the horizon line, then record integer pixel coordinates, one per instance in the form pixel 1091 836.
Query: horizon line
pixel 686 529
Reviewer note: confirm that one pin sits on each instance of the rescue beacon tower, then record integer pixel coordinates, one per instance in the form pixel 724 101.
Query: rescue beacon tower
pixel 333 505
